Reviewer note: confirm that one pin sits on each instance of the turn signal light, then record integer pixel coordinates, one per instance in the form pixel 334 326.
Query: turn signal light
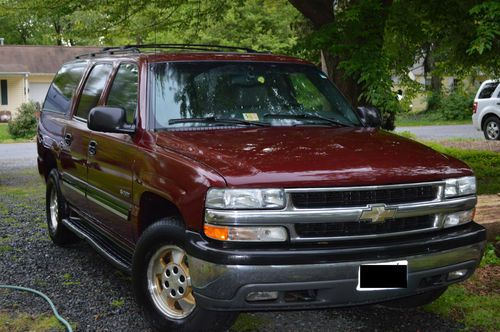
pixel 216 232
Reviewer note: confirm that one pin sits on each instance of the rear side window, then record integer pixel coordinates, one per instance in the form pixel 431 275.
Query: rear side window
pixel 93 88
pixel 123 92
pixel 62 89
pixel 488 90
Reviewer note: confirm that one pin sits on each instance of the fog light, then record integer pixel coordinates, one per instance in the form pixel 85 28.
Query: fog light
pixel 458 218
pixel 262 296
pixel 458 274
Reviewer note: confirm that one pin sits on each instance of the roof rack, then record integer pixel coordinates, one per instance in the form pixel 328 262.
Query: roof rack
pixel 137 49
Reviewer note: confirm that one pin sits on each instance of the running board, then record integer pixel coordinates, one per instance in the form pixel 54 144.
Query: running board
pixel 119 257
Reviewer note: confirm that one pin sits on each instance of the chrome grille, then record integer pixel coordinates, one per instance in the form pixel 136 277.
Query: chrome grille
pixel 320 230
pixel 349 198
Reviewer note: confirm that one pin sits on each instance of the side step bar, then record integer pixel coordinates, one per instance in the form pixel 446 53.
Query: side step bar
pixel 119 257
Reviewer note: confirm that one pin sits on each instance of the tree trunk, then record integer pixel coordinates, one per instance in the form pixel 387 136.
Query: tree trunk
pixel 347 85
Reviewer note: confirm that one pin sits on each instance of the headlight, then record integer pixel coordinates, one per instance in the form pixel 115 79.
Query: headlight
pixel 460 187
pixel 245 198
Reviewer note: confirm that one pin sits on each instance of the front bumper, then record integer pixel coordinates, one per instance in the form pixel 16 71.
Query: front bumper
pixel 330 276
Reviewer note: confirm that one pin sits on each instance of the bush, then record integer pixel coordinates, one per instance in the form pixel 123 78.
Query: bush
pixel 456 106
pixel 24 124
pixel 433 100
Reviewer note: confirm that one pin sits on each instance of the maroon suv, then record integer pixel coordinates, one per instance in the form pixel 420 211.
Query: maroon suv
pixel 228 181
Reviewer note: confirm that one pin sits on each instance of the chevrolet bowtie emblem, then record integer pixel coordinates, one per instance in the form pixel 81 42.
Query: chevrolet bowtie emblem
pixel 377 213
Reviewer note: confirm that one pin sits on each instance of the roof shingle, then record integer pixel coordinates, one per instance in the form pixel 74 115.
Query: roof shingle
pixel 37 59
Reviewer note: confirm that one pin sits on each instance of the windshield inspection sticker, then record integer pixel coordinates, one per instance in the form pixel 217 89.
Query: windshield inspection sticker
pixel 251 116
pixel 261 79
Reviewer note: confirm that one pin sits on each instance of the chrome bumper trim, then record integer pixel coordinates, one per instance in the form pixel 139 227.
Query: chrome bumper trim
pixel 223 281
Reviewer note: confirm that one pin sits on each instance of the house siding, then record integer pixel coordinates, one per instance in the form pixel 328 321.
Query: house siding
pixel 15 93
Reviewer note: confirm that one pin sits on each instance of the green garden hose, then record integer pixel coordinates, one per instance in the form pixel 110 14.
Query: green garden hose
pixel 46 298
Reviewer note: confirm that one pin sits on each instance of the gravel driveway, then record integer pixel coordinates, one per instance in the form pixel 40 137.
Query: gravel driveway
pixel 94 296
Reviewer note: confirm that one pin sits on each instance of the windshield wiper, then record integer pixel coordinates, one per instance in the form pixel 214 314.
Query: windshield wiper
pixel 214 119
pixel 305 116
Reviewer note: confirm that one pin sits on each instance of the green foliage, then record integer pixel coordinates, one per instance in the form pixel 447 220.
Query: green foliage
pixel 475 311
pixel 24 125
pixel 118 303
pixel 21 322
pixel 425 119
pixel 486 42
pixel 455 106
pixel 433 101
pixel 248 322
pixel 490 258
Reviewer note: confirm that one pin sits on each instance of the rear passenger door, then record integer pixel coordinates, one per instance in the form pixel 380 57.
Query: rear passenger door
pixel 77 138
pixel 110 172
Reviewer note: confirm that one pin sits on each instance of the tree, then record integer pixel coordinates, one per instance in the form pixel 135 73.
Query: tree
pixel 365 43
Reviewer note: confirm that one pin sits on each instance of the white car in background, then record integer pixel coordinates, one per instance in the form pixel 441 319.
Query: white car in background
pixel 486 109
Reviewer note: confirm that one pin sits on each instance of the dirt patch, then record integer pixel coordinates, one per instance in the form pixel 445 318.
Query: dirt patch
pixel 485 145
pixel 485 281
pixel 488 214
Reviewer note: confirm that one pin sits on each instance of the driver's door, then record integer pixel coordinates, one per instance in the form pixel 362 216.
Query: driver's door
pixel 110 163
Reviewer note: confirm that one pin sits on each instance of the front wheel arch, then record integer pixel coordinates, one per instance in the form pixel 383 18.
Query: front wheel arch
pixel 167 233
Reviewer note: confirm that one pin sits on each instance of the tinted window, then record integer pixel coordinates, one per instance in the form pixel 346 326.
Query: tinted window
pixel 123 92
pixel 488 90
pixel 277 94
pixel 93 88
pixel 63 87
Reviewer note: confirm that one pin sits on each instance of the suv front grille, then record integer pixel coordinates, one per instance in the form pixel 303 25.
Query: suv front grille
pixel 350 198
pixel 356 228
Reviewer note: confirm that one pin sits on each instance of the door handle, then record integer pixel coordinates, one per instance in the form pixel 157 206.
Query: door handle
pixel 68 138
pixel 92 147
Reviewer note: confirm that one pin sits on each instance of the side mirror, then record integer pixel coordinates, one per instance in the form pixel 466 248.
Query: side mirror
pixel 109 120
pixel 370 116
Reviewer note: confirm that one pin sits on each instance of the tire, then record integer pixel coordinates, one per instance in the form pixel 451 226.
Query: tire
pixel 160 278
pixel 416 300
pixel 491 128
pixel 56 210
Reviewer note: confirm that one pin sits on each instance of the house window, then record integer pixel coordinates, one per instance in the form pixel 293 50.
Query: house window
pixel 3 92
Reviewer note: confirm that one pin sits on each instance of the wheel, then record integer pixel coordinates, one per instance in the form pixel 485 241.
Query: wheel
pixel 57 209
pixel 416 300
pixel 492 128
pixel 162 282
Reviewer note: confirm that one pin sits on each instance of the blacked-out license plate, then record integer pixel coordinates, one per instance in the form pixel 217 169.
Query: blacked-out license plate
pixel 381 276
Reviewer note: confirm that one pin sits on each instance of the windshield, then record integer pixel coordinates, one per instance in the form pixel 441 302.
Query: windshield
pixel 219 93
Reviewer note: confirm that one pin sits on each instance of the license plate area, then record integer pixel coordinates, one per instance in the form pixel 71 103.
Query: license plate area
pixel 380 276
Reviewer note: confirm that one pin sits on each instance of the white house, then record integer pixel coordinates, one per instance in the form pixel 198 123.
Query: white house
pixel 26 72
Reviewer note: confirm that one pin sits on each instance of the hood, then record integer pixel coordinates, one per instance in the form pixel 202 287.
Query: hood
pixel 312 156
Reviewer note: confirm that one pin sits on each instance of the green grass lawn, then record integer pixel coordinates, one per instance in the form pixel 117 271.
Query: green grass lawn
pixel 5 136
pixel 424 119
pixel 476 302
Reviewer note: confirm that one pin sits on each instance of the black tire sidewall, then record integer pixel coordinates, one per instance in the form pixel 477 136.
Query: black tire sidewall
pixel 486 122
pixel 61 235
